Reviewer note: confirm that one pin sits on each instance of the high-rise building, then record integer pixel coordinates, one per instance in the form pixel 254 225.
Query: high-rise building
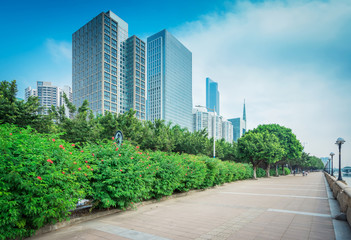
pixel 135 76
pixel 212 95
pixel 239 125
pixel 100 62
pixel 49 95
pixel 29 92
pixel 203 119
pixel 169 68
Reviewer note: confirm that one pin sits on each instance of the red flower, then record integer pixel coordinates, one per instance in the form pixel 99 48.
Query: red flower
pixel 131 158
pixel 102 160
pixel 53 140
pixel 82 151
pixel 147 167
pixel 91 169
pixel 116 149
pixel 140 175
pixel 70 152
pixel 39 178
pixel 86 161
pixel 93 154
pixel 121 170
pixel 63 172
pixel 72 173
pixel 85 174
pixel 88 166
pixel 73 145
pixel 61 146
pixel 119 154
pixel 74 163
pixel 50 161
pixel 10 133
pixel 113 138
pixel 186 174
pixel 79 169
pixel 137 147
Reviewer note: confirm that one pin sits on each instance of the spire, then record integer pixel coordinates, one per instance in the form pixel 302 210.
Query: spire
pixel 244 113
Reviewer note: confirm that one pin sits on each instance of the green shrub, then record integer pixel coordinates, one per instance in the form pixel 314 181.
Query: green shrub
pixel 40 180
pixel 260 172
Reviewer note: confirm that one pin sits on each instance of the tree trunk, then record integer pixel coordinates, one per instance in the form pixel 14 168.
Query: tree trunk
pixel 254 171
pixel 276 170
pixel 268 169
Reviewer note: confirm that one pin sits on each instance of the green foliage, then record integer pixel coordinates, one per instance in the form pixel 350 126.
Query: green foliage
pixel 19 112
pixel 40 180
pixel 256 148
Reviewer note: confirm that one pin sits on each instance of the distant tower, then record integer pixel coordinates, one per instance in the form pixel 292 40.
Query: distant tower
pixel 212 95
pixel 244 118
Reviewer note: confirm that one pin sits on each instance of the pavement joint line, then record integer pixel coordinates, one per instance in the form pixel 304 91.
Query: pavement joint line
pixel 298 212
pixel 124 232
pixel 274 195
pixel 296 189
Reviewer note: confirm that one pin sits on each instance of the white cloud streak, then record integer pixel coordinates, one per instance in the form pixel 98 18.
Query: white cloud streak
pixel 59 50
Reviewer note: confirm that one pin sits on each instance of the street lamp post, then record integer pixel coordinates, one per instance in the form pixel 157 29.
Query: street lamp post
pixel 214 128
pixel 332 163
pixel 339 142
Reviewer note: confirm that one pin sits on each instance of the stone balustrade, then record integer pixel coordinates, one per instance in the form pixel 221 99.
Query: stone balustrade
pixel 341 192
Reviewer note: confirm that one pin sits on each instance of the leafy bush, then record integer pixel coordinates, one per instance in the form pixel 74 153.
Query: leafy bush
pixel 43 177
pixel 40 180
pixel 261 172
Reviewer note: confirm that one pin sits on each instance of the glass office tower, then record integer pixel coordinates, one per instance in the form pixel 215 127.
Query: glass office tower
pixel 212 95
pixel 99 64
pixel 169 68
pixel 136 88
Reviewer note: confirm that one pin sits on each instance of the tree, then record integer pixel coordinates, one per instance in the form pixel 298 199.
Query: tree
pixel 19 112
pixel 292 147
pixel 259 147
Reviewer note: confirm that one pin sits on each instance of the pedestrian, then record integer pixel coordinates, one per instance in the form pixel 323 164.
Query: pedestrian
pixel 303 173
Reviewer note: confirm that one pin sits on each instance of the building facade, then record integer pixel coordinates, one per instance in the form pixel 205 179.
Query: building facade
pixel 100 66
pixel 212 96
pixel 214 124
pixel 136 77
pixel 169 71
pixel 49 95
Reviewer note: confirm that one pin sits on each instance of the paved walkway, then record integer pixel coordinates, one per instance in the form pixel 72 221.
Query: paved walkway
pixel 288 207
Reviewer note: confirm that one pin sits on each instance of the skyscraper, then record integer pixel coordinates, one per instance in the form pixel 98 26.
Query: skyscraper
pixel 100 64
pixel 239 125
pixel 212 95
pixel 169 68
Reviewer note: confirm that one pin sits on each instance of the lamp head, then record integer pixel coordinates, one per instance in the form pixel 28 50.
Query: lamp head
pixel 332 154
pixel 340 141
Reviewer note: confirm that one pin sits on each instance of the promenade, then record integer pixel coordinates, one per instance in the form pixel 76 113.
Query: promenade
pixel 287 207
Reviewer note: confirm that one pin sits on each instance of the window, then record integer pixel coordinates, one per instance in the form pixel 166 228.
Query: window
pixel 114 34
pixel 137 49
pixel 142 53
pixel 107 86
pixel 114 52
pixel 137 73
pixel 114 61
pixel 114 70
pixel 106 38
pixel 107 67
pixel 142 60
pixel 137 66
pixel 107 95
pixel 142 69
pixel 114 79
pixel 106 76
pixel 107 57
pixel 142 76
pixel 107 30
pixel 114 107
pixel 114 43
pixel 107 48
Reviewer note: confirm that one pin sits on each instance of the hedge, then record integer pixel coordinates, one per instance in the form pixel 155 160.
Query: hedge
pixel 43 177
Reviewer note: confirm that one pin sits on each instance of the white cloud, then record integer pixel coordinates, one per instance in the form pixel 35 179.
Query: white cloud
pixel 290 60
pixel 59 50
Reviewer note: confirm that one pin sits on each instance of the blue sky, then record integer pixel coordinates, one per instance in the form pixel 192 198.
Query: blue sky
pixel 290 60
